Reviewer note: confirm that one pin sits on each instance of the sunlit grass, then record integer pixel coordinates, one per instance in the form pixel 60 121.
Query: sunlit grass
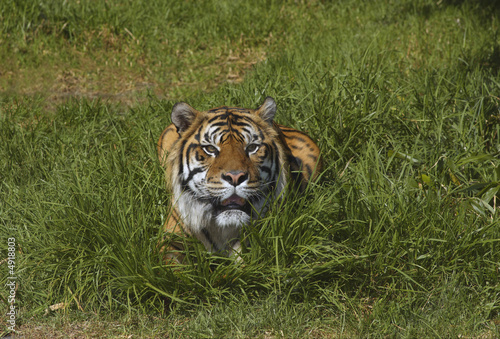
pixel 400 238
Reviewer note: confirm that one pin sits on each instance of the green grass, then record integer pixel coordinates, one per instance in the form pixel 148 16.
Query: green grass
pixel 124 50
pixel 401 237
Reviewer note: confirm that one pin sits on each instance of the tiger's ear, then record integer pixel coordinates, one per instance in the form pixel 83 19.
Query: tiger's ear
pixel 183 116
pixel 267 110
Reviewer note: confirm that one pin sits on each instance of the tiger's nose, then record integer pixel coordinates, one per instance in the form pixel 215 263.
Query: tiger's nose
pixel 235 178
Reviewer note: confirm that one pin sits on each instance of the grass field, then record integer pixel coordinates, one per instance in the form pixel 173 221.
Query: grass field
pixel 401 237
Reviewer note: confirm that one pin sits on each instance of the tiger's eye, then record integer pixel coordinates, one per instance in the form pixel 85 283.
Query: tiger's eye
pixel 252 148
pixel 210 150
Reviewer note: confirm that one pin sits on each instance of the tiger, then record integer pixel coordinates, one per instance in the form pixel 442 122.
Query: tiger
pixel 224 166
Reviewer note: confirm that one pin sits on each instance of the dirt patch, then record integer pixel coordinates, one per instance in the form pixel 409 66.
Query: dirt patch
pixel 77 329
pixel 110 77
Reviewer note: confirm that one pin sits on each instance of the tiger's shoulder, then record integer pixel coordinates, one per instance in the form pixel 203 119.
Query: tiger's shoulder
pixel 165 144
pixel 305 156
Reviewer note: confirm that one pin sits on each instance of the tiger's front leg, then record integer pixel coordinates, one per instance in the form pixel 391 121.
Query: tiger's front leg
pixel 174 250
pixel 235 252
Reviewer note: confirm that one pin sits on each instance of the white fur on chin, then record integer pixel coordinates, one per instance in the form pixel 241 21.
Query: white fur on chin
pixel 232 218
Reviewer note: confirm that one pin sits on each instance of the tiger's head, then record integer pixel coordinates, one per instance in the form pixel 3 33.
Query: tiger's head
pixel 225 165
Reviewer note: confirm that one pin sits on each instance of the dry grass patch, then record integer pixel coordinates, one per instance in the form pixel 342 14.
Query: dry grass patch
pixel 117 76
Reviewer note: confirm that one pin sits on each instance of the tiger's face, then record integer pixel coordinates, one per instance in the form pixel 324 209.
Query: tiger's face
pixel 228 164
